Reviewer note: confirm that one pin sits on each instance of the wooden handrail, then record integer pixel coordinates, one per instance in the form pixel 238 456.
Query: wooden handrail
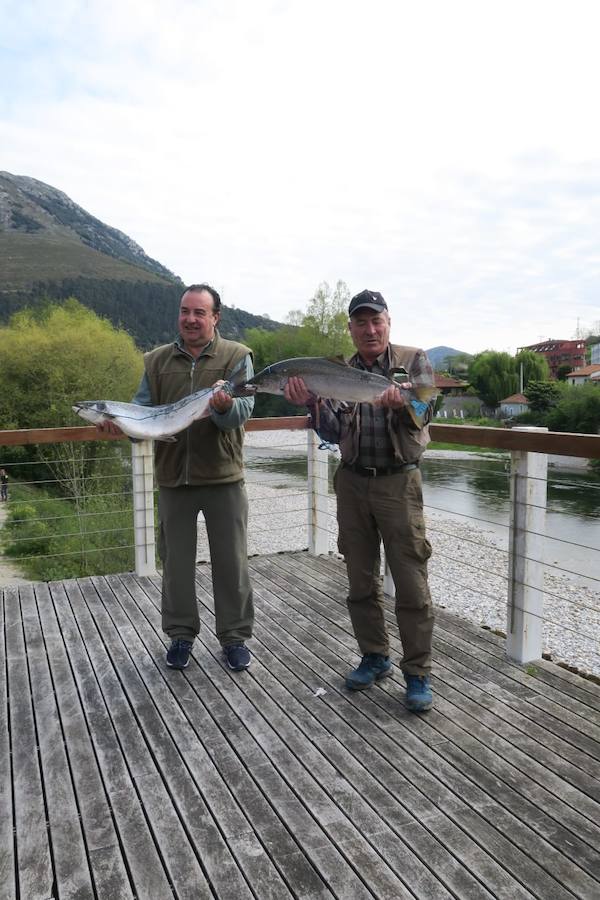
pixel 586 446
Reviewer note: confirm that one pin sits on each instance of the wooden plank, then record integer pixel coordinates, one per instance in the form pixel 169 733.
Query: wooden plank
pixel 136 710
pixel 101 699
pixel 236 759
pixel 101 837
pixel 586 446
pixel 512 677
pixel 8 886
pixel 315 823
pixel 407 817
pixel 260 562
pixel 35 873
pixel 227 786
pixel 71 869
pixel 215 818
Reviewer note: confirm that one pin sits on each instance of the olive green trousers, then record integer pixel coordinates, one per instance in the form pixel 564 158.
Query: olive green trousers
pixel 225 509
pixel 388 508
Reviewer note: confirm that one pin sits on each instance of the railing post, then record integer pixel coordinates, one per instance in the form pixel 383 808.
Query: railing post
pixel 143 507
pixel 528 488
pixel 318 488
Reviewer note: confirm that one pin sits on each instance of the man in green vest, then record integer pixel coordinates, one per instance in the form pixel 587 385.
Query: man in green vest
pixel 378 490
pixel 202 471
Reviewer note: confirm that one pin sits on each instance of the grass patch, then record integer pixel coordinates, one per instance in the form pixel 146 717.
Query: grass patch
pixel 49 538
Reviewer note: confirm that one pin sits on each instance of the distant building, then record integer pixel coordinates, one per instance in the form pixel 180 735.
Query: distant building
pixel 513 406
pixel 456 401
pixel 587 373
pixel 595 357
pixel 450 386
pixel 560 353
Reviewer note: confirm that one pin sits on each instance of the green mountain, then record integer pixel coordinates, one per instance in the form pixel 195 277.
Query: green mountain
pixel 439 355
pixel 51 248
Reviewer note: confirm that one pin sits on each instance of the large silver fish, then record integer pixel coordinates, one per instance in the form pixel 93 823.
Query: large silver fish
pixel 334 379
pixel 157 423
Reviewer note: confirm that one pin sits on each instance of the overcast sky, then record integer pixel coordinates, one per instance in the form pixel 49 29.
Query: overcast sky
pixel 443 152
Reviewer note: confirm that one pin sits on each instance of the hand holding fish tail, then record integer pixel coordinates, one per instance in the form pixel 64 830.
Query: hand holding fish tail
pixel 221 401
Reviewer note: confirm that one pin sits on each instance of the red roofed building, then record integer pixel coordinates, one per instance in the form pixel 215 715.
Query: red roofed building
pixel 560 353
pixel 513 405
pixel 448 385
pixel 587 373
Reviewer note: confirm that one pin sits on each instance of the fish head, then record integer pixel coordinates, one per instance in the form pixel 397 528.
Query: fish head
pixel 91 410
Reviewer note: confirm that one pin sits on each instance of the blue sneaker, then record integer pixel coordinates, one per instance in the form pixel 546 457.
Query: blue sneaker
pixel 237 656
pixel 418 692
pixel 373 667
pixel 178 654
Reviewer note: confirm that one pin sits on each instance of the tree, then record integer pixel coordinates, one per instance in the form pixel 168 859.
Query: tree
pixel 577 409
pixel 534 367
pixel 494 376
pixel 321 331
pixel 327 316
pixel 52 356
pixel 542 395
pixel 563 371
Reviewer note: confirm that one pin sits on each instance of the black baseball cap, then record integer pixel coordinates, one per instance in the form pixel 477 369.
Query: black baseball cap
pixel 371 299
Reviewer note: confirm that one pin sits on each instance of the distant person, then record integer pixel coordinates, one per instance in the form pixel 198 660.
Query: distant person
pixel 3 485
pixel 202 471
pixel 378 490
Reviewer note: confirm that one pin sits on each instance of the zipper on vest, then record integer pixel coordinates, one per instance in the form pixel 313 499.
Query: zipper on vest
pixel 187 436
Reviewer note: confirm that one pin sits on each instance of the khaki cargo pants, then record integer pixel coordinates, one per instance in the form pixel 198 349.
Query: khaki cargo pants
pixel 388 508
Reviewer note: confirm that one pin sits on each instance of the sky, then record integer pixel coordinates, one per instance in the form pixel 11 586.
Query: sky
pixel 443 152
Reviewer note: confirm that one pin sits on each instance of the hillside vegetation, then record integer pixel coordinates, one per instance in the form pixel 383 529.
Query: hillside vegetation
pixel 52 249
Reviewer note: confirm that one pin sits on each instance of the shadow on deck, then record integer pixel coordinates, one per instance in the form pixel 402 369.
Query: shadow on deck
pixel 132 780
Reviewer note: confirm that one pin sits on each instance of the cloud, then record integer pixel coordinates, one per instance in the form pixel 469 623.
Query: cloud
pixel 445 154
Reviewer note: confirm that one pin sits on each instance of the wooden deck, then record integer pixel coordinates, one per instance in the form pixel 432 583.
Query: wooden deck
pixel 121 778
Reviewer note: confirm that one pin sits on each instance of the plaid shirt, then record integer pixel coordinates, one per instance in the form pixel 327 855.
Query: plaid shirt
pixel 375 447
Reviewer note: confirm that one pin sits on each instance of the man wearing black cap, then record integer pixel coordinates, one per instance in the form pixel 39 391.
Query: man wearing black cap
pixel 378 489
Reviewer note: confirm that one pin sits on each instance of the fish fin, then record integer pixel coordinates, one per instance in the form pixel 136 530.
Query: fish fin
pixel 243 390
pixel 425 392
pixel 339 359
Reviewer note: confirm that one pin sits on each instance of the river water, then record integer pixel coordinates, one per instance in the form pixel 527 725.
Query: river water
pixel 461 486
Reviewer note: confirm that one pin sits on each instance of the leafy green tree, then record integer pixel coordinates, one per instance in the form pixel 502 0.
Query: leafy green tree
pixel 327 318
pixel 534 366
pixel 562 372
pixel 321 331
pixel 52 356
pixel 577 409
pixel 542 395
pixel 494 376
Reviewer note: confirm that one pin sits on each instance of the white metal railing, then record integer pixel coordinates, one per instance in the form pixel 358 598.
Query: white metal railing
pixel 518 574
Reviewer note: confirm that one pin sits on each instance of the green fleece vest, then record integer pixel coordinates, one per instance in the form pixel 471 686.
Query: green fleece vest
pixel 203 454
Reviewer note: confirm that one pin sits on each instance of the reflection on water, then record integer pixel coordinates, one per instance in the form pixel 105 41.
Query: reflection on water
pixel 479 489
